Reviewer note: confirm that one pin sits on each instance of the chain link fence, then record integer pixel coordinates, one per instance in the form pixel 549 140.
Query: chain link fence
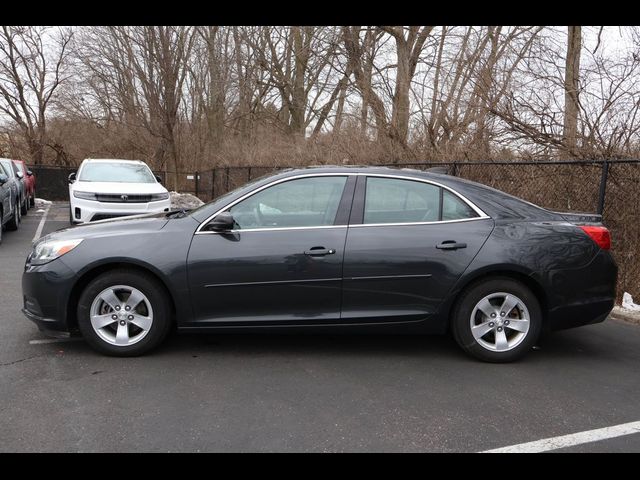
pixel 611 188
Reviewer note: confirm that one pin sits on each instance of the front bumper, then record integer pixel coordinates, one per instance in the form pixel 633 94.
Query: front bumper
pixel 89 209
pixel 46 290
pixel 48 326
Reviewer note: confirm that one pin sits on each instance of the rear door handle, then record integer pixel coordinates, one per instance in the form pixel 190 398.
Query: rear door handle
pixel 451 245
pixel 319 251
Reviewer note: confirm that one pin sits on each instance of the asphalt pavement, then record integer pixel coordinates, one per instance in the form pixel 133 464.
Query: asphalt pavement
pixel 303 393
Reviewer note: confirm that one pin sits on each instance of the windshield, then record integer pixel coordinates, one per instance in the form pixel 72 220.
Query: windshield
pixel 7 168
pixel 20 167
pixel 116 172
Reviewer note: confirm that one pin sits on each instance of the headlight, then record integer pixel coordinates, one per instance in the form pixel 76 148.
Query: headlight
pixel 159 196
pixel 49 250
pixel 85 195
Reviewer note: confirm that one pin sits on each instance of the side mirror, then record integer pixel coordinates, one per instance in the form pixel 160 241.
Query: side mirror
pixel 72 177
pixel 3 179
pixel 20 175
pixel 29 173
pixel 222 222
pixel 158 178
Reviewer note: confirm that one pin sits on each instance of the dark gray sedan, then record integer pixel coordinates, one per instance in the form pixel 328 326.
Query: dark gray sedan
pixel 334 248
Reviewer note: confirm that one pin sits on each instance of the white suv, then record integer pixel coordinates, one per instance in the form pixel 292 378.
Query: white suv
pixel 109 188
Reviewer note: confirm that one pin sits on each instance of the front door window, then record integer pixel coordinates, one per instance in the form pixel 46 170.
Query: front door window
pixel 303 202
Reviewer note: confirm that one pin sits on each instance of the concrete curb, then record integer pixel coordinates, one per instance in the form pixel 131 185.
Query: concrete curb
pixel 619 313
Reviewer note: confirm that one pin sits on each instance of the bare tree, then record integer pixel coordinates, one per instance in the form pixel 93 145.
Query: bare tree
pixel 144 69
pixel 409 44
pixel 30 74
pixel 194 97
pixel 361 65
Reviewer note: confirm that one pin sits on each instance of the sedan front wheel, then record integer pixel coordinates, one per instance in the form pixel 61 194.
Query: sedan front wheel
pixel 497 320
pixel 124 313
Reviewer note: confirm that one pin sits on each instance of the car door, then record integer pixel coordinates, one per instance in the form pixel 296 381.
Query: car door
pixel 12 184
pixel 20 182
pixel 408 242
pixel 5 194
pixel 281 263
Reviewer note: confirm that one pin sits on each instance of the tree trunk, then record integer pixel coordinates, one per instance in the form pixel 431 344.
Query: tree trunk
pixel 571 85
pixel 298 98
pixel 215 102
pixel 400 111
pixel 482 95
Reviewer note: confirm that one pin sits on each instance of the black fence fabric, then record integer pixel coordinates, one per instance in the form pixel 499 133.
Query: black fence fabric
pixel 608 187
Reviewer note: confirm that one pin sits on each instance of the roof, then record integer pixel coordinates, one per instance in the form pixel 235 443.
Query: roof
pixel 116 160
pixel 408 172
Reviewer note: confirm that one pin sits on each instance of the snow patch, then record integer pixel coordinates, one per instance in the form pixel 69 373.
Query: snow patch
pixel 184 200
pixel 41 203
pixel 627 303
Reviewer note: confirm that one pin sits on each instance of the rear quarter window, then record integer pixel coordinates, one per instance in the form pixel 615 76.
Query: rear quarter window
pixel 453 208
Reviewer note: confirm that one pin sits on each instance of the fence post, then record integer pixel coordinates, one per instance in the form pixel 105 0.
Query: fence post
pixel 213 183
pixel 454 170
pixel 197 181
pixel 228 173
pixel 603 187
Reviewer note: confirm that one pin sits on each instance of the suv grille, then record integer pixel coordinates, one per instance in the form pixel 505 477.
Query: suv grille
pixel 123 198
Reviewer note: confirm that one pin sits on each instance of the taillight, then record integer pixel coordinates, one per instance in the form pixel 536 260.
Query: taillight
pixel 600 235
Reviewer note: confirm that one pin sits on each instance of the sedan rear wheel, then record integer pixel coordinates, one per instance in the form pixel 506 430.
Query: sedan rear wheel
pixel 498 320
pixel 124 313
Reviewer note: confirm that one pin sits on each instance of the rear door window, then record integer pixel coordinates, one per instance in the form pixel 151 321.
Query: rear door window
pixel 395 200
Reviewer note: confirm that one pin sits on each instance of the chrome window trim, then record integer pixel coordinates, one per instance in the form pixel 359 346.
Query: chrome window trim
pixel 481 215
pixel 253 192
pixel 432 182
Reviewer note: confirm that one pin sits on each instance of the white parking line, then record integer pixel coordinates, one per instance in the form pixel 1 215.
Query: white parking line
pixel 54 340
pixel 563 441
pixel 41 224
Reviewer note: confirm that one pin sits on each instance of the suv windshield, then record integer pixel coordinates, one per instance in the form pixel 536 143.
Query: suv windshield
pixel 8 169
pixel 116 172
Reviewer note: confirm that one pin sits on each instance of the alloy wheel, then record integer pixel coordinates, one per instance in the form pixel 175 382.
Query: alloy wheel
pixel 121 315
pixel 500 322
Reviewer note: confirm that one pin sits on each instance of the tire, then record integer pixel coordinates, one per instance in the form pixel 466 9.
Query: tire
pixel 520 327
pixel 71 217
pixel 15 219
pixel 32 199
pixel 153 313
pixel 24 206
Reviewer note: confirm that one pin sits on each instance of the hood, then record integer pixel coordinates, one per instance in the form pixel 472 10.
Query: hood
pixel 118 187
pixel 130 225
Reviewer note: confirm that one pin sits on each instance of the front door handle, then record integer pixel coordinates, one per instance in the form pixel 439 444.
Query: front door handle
pixel 451 245
pixel 319 251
